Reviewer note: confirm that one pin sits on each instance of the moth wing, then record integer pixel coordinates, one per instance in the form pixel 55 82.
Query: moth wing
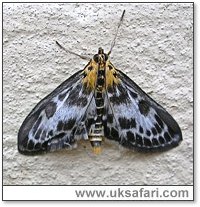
pixel 57 120
pixel 139 121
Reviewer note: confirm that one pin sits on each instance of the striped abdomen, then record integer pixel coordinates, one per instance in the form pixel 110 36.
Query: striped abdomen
pixel 97 132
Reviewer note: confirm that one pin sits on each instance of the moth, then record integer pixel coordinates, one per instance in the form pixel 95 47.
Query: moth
pixel 95 103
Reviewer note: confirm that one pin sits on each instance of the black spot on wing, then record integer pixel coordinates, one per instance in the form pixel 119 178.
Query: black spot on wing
pixel 127 123
pixel 161 140
pixel 121 98
pixel 155 142
pixel 154 131
pixel 121 89
pixel 69 124
pixel 117 100
pixel 132 123
pixel 141 130
pixel 76 98
pixel 129 141
pixel 143 107
pixel 123 123
pixel 148 133
pixel 60 125
pixel 167 137
pixel 130 136
pixel 133 95
pixel 82 101
pixel 50 109
pixel 114 133
pixel 147 142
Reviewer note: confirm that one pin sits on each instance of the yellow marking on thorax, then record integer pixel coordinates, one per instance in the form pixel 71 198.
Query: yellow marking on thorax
pixel 111 75
pixel 91 75
pixel 91 72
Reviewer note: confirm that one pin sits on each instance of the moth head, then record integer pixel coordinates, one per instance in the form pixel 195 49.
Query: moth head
pixel 101 56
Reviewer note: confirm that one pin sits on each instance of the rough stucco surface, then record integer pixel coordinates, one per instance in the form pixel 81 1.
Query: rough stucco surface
pixel 154 48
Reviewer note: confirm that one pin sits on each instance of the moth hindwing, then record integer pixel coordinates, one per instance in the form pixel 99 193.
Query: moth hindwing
pixel 98 102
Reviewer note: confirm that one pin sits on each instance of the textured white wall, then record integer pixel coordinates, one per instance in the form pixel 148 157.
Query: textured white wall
pixel 154 48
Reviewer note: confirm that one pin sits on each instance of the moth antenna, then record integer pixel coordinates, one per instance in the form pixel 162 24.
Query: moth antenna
pixel 81 56
pixel 119 24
